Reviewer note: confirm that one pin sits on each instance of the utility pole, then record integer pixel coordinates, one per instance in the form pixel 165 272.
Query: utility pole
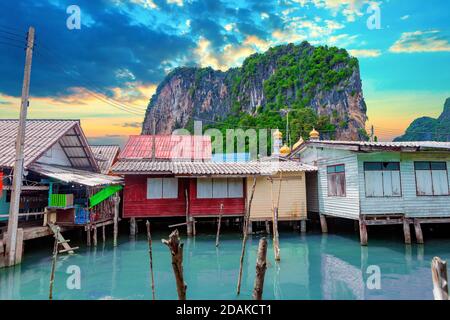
pixel 372 134
pixel 13 220
pixel 153 135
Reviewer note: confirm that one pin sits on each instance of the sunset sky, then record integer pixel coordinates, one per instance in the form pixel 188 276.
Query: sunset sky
pixel 105 72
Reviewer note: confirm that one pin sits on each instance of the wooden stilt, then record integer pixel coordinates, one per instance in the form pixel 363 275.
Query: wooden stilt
pixel 276 239
pixel 245 231
pixel 104 233
pixel 176 251
pixel 261 267
pixel 267 227
pixel 303 226
pixel 418 230
pixel 188 220
pixel 250 227
pixel 440 281
pixel 132 227
pixel 149 237
pixel 55 255
pixel 218 225
pixel 94 236
pixel 116 219
pixel 194 227
pixel 88 236
pixel 362 232
pixel 407 231
pixel 323 223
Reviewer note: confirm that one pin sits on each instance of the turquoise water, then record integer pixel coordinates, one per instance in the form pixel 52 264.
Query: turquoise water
pixel 314 266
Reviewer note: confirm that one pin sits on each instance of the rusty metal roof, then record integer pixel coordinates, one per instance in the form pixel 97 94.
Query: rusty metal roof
pixel 189 168
pixel 40 136
pixel 370 145
pixel 168 147
pixel 71 175
pixel 105 155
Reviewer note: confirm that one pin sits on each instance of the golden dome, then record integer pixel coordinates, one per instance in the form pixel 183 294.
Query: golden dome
pixel 314 135
pixel 285 150
pixel 298 143
pixel 277 134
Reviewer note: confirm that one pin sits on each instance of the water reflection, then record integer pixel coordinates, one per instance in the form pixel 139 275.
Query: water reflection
pixel 314 266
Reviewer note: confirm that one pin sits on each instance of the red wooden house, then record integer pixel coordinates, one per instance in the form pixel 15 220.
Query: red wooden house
pixel 176 178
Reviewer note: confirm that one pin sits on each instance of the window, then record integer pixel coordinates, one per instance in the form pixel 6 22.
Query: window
pixel 431 178
pixel 208 188
pixel 336 180
pixel 382 179
pixel 162 188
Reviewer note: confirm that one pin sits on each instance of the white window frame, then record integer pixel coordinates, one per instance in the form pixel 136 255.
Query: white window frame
pixel 161 194
pixel 384 177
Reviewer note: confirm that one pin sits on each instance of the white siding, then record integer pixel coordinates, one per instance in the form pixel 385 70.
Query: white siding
pixel 348 206
pixel 55 155
pixel 409 203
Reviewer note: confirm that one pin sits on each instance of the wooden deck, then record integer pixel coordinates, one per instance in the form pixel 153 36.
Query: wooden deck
pixel 33 230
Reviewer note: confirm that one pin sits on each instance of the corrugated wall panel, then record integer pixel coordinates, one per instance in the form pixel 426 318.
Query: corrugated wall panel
pixel 348 206
pixel 136 203
pixel 409 204
pixel 211 207
pixel 292 200
pixel 312 192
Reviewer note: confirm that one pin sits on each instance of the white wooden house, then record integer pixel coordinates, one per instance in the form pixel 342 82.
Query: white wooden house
pixel 378 183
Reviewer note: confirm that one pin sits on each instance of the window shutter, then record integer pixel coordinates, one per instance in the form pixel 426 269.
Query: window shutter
pixel 235 188
pixel 154 188
pixel 170 188
pixel 374 183
pixel 204 188
pixel 220 189
pixel 440 182
pixel 396 184
pixel 424 183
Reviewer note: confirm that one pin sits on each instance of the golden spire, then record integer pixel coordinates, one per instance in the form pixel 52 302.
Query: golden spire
pixel 314 135
pixel 285 150
pixel 277 134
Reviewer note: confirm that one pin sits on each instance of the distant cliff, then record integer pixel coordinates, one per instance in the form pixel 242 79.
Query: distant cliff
pixel 321 87
pixel 429 129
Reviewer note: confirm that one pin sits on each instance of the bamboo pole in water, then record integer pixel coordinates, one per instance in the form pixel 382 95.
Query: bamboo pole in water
pixel 276 241
pixel 218 225
pixel 149 237
pixel 244 239
pixel 55 255
pixel 176 251
pixel 116 218
pixel 261 267
pixel 440 282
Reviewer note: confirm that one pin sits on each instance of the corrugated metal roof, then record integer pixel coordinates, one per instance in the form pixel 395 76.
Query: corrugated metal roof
pixel 209 168
pixel 168 147
pixel 71 175
pixel 105 156
pixel 40 136
pixel 364 145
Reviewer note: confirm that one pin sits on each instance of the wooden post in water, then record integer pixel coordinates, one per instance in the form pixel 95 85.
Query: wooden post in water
pixel 88 235
pixel 440 281
pixel 418 230
pixel 323 223
pixel 362 232
pixel 149 237
pixel 218 225
pixel 303 226
pixel 244 239
pixel 94 236
pixel 407 231
pixel 276 239
pixel 261 267
pixel 188 220
pixel 132 227
pixel 55 255
pixel 267 227
pixel 176 251
pixel 116 218
pixel 103 233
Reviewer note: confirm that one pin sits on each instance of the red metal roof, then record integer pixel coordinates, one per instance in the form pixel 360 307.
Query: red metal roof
pixel 168 147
